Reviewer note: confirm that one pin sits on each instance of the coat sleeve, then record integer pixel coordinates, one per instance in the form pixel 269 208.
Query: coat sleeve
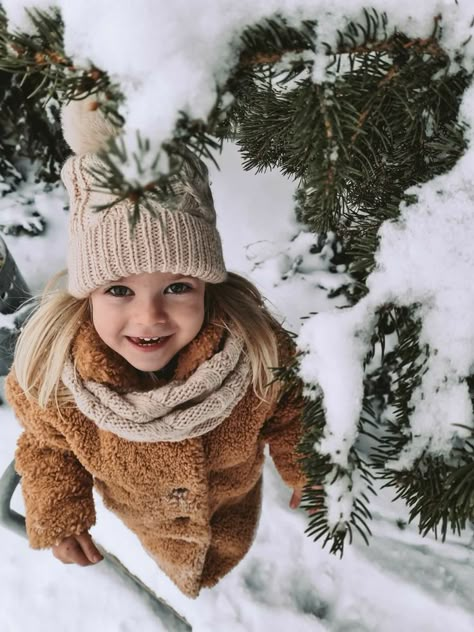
pixel 283 430
pixel 57 490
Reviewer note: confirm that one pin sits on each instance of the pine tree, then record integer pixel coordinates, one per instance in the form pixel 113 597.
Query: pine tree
pixel 30 143
pixel 385 119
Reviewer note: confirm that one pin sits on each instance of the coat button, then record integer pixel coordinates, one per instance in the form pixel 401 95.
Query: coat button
pixel 179 493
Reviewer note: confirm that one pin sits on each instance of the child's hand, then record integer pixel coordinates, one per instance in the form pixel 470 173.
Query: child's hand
pixel 296 498
pixel 77 549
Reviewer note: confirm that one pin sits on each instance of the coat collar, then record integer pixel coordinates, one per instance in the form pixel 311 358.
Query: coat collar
pixel 95 361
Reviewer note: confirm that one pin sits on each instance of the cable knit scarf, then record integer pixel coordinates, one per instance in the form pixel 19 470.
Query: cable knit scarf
pixel 179 410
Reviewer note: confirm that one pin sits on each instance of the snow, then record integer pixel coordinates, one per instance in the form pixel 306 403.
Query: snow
pixel 400 582
pixel 199 44
pixel 425 257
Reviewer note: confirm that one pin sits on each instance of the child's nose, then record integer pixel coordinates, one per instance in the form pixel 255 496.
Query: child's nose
pixel 151 312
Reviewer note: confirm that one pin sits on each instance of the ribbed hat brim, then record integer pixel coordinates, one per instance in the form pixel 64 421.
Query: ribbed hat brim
pixel 181 244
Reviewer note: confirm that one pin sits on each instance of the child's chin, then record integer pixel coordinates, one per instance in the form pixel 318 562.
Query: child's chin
pixel 147 366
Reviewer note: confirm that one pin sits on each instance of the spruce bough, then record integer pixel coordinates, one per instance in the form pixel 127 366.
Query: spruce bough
pixel 385 119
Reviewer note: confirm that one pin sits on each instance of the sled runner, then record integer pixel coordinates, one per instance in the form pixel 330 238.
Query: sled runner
pixel 13 294
pixel 14 521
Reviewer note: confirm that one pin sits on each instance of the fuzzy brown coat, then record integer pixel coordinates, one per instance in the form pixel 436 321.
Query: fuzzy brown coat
pixel 194 504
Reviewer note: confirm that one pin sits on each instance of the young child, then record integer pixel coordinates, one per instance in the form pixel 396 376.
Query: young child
pixel 148 379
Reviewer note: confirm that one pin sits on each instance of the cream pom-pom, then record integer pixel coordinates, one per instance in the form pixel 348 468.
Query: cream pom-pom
pixel 85 128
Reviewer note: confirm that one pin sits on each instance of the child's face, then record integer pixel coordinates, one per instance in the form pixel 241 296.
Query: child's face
pixel 159 305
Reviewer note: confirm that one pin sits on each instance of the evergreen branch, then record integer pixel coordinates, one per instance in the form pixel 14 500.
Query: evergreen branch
pixel 41 54
pixel 320 471
pixel 439 493
pixel 267 42
pixel 161 187
pixel 386 119
pixel 271 35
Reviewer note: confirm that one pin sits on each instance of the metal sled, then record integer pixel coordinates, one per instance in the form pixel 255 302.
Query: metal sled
pixel 13 293
pixel 14 521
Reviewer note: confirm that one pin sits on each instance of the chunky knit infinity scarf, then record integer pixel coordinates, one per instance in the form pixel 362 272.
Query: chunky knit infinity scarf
pixel 179 410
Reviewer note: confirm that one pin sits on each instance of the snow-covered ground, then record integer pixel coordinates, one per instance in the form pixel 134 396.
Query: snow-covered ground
pixel 401 582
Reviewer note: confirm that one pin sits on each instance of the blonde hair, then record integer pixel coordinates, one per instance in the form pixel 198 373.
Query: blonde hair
pixel 45 339
pixel 237 303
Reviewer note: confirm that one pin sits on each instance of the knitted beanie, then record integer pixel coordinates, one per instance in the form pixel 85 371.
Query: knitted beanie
pixel 180 238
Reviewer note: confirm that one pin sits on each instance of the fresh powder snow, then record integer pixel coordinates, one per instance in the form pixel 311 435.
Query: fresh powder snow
pixel 400 582
pixel 171 57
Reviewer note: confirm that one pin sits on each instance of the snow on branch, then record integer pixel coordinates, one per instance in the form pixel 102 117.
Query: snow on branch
pixel 179 59
pixel 176 58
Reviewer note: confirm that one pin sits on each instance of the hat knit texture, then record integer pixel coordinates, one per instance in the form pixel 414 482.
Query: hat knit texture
pixel 180 238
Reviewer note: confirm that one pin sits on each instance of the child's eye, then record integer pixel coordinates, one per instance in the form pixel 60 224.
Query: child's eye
pixel 178 288
pixel 119 290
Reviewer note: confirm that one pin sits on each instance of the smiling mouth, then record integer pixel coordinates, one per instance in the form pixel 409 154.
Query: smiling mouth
pixel 148 342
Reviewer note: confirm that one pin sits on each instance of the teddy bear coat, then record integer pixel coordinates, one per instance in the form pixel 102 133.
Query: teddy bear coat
pixel 194 504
